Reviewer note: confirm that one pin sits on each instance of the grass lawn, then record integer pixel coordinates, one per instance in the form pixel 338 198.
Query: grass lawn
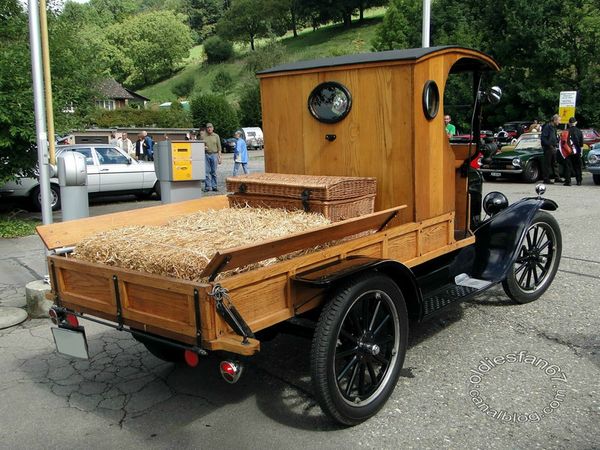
pixel 329 40
pixel 11 227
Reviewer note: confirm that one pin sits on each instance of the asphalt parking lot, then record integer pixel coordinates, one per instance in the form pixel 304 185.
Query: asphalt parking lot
pixel 124 397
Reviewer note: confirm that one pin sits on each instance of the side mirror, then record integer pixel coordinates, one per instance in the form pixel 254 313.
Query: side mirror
pixel 494 95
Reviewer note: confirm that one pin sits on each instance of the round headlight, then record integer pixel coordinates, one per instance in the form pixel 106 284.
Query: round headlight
pixel 494 202
pixel 593 158
pixel 516 162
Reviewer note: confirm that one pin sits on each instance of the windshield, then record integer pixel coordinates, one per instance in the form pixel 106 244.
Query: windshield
pixel 529 143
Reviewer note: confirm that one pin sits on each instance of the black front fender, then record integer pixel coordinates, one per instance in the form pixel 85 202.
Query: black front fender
pixel 498 240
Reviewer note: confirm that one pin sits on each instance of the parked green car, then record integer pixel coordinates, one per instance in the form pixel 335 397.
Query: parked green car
pixel 524 161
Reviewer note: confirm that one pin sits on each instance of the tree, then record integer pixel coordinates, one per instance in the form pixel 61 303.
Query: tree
pixel 250 107
pixel 204 15
pixel 399 29
pixel 152 47
pixel 247 20
pixel 214 109
pixel 74 72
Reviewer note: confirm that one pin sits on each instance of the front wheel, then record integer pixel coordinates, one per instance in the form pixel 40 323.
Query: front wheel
pixel 531 173
pixel 36 198
pixel 537 261
pixel 358 348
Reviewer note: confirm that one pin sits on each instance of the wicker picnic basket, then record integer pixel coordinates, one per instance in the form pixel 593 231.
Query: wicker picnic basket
pixel 315 187
pixel 337 198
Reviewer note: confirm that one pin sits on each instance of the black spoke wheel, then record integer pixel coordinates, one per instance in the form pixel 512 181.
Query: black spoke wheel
pixel 358 348
pixel 162 351
pixel 537 261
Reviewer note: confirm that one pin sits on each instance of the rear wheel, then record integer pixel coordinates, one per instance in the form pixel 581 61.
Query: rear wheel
pixel 162 351
pixel 36 198
pixel 531 173
pixel 537 261
pixel 358 348
pixel 596 179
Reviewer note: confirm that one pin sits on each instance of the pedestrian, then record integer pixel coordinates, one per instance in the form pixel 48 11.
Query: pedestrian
pixel 573 161
pixel 240 154
pixel 127 145
pixel 450 129
pixel 113 139
pixel 149 144
pixel 535 127
pixel 550 145
pixel 140 148
pixel 212 148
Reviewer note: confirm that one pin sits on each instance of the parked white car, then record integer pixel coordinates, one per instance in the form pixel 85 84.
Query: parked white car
pixel 109 171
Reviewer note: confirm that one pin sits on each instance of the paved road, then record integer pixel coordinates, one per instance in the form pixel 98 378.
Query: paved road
pixel 124 397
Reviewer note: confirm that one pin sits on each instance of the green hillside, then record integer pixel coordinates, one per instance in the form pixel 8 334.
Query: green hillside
pixel 331 40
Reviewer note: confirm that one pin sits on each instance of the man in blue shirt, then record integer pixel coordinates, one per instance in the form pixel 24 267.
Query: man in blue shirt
pixel 149 146
pixel 240 154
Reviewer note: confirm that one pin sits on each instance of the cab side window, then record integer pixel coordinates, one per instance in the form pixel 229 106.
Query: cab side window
pixel 87 152
pixel 108 155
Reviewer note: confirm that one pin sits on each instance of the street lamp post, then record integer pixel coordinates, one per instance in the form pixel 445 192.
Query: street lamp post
pixel 426 20
pixel 39 110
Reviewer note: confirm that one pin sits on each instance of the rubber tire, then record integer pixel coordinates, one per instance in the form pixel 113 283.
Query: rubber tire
pixel 162 351
pixel 36 201
pixel 534 167
pixel 325 340
pixel 511 285
pixel 157 189
pixel 488 177
pixel 596 178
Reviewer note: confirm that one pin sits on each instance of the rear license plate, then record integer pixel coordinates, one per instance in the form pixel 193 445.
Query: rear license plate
pixel 496 174
pixel 71 342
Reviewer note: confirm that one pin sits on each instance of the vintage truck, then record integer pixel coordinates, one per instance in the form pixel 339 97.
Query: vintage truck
pixel 427 247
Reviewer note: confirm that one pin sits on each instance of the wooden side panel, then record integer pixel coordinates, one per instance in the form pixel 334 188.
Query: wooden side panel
pixel 374 140
pixel 434 237
pixel 87 289
pixel 403 247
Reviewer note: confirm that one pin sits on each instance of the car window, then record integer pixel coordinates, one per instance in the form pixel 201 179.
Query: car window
pixel 527 144
pixel 108 155
pixel 87 152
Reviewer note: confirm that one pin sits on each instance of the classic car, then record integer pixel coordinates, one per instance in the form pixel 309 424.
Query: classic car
pixel 524 160
pixel 109 171
pixel 590 136
pixel 593 162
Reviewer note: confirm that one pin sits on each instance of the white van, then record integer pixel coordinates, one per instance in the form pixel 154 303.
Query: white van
pixel 253 137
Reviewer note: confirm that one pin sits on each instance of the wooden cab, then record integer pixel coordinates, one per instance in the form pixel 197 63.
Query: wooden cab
pixel 376 115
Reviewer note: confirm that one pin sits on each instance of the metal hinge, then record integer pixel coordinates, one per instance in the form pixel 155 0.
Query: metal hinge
pixel 227 310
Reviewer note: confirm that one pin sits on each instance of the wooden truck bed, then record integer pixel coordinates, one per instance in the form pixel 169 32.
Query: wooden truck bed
pixel 264 296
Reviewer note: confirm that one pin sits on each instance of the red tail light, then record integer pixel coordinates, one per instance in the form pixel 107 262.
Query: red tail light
pixel 231 371
pixel 72 320
pixel 191 358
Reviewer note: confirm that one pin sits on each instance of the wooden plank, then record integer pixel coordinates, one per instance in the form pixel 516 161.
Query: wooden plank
pixel 65 234
pixel 241 256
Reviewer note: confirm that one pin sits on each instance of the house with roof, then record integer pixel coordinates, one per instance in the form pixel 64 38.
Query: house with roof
pixel 115 96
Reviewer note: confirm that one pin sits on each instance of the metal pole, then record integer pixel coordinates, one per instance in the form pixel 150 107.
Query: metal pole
pixel 426 20
pixel 39 110
pixel 47 81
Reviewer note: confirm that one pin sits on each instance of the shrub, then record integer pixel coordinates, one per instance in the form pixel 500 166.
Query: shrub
pixel 167 118
pixel 262 58
pixel 250 110
pixel 184 86
pixel 217 49
pixel 215 109
pixel 222 82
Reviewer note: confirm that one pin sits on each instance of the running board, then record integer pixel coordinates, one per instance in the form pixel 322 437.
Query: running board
pixel 463 288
